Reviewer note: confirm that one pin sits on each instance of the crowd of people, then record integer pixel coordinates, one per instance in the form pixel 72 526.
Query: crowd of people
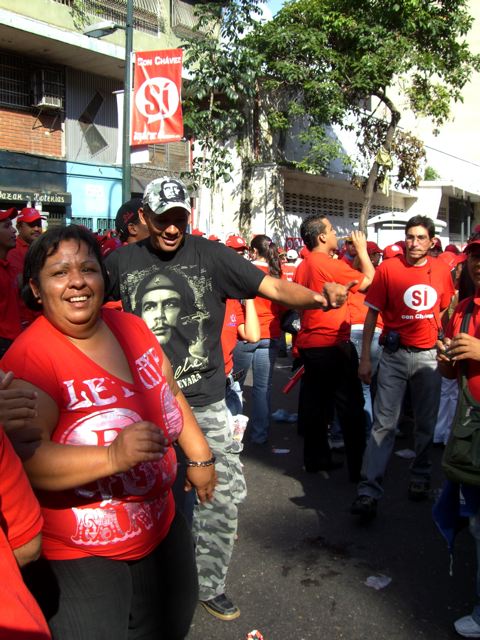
pixel 121 392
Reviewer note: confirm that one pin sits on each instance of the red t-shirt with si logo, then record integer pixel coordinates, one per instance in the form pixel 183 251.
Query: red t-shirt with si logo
pixel 126 515
pixel 410 299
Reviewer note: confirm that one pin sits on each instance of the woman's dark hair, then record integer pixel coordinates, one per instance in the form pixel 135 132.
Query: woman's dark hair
pixel 45 246
pixel 268 250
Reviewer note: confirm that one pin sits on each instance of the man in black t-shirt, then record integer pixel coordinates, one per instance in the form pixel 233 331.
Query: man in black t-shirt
pixel 204 274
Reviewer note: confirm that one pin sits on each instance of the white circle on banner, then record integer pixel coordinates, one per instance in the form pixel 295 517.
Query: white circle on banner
pixel 157 99
pixel 420 297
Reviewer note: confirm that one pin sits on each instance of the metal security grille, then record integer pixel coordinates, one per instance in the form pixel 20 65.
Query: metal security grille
pixel 14 82
pixel 354 209
pixel 302 205
pixel 24 84
pixel 85 222
pixel 172 157
pixel 103 224
pixel 56 219
pixel 148 15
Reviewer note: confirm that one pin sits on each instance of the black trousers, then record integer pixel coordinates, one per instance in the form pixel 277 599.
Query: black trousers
pixel 331 382
pixel 101 599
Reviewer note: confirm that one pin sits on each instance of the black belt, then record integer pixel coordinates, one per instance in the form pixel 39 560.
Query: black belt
pixel 415 349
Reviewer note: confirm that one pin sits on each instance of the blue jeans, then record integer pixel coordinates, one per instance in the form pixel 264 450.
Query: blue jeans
pixel 261 357
pixel 356 336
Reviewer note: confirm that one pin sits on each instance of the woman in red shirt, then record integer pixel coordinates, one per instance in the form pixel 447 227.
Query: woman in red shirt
pixel 261 355
pixel 116 555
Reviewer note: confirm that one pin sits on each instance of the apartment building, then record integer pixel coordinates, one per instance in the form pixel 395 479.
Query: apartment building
pixel 60 148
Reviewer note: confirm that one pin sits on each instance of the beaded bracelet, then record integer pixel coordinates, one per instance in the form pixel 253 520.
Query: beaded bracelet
pixel 204 463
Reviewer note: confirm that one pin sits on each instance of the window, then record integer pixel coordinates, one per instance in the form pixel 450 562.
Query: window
pixel 24 84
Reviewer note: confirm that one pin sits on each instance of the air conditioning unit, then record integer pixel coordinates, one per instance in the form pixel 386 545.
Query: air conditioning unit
pixel 48 89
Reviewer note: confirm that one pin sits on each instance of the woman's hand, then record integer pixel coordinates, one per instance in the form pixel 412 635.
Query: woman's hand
pixel 203 480
pixel 139 442
pixel 443 353
pixel 464 347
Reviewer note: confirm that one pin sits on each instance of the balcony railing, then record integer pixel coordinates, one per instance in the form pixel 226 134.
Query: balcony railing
pixel 148 15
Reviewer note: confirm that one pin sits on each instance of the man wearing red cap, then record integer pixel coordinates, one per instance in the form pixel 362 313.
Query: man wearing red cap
pixel 29 227
pixel 237 243
pixel 10 325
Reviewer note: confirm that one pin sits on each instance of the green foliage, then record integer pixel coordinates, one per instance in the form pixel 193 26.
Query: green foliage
pixel 431 174
pixel 220 94
pixel 318 62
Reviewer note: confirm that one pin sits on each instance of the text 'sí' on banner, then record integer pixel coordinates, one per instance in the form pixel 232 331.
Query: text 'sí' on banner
pixel 157 106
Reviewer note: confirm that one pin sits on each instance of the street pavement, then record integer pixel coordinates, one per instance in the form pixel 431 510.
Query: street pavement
pixel 301 560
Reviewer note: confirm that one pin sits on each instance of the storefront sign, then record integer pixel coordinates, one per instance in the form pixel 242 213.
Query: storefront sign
pixel 157 108
pixel 45 197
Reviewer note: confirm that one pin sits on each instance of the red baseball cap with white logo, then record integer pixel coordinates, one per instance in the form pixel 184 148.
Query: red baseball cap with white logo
pixel 8 214
pixel 29 214
pixel 392 251
pixel 236 242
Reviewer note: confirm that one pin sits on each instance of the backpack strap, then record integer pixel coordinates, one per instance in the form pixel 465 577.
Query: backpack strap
pixel 464 329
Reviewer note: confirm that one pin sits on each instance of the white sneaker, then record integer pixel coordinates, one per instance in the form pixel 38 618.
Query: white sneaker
pixel 467 627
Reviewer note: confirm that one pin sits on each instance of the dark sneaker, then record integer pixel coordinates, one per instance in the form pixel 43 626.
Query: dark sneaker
pixel 418 490
pixel 221 607
pixel 364 506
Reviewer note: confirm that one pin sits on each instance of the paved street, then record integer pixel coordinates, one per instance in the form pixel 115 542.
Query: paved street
pixel 301 559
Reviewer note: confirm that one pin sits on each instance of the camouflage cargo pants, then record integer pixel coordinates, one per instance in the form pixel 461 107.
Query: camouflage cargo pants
pixel 215 523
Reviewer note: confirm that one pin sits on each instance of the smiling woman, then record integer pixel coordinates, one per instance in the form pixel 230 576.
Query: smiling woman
pixel 109 412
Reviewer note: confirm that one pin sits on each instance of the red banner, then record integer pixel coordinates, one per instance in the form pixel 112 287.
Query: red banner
pixel 157 106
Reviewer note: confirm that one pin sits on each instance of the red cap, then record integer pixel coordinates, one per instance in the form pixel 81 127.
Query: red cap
pixel 452 259
pixel 236 242
pixel 29 214
pixel 472 244
pixel 197 232
pixel 437 244
pixel 372 247
pixel 452 248
pixel 8 213
pixel 108 243
pixel 213 238
pixel 392 251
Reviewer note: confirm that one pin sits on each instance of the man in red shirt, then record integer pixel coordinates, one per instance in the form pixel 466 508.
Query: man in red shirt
pixel 330 359
pixel 410 292
pixel 29 227
pixel 10 325
pixel 128 224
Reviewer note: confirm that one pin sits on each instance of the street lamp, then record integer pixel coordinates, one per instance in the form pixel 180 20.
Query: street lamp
pixel 100 30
